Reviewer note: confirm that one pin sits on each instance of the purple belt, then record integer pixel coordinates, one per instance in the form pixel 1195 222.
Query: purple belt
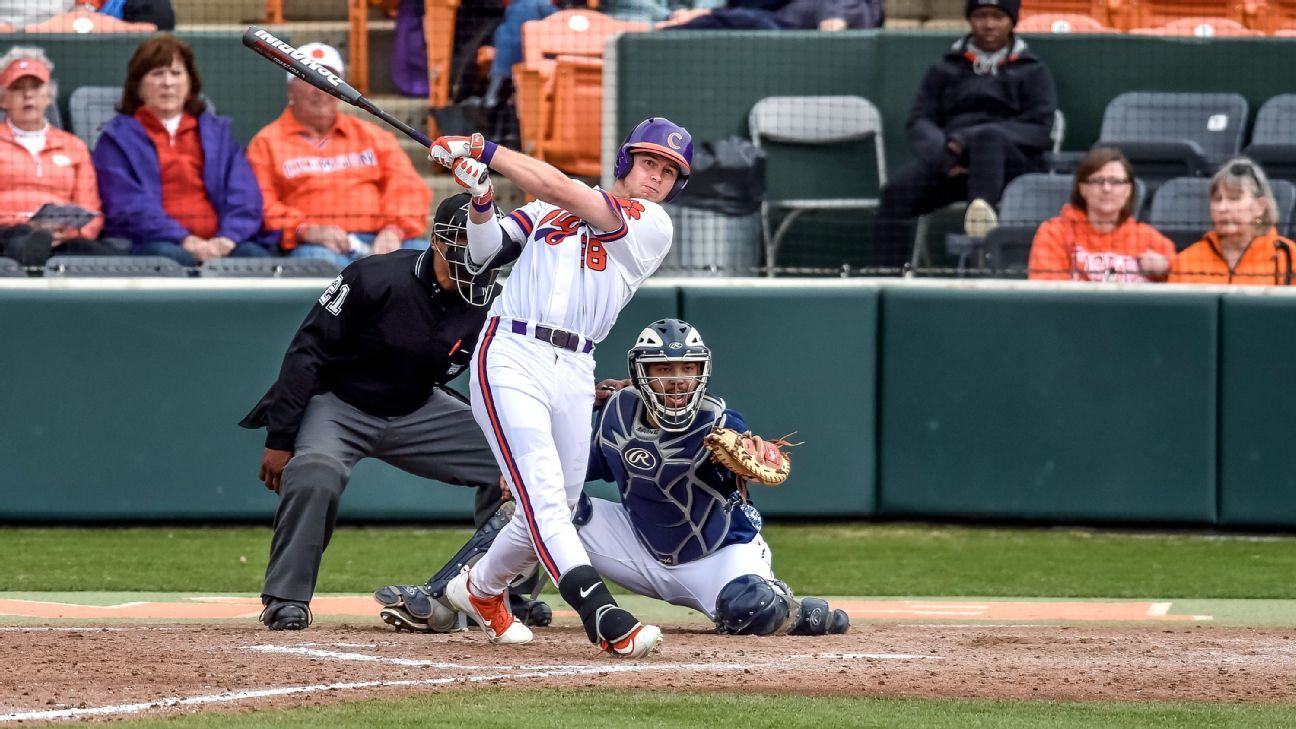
pixel 557 337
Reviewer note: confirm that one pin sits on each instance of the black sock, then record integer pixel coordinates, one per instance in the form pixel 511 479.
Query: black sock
pixel 584 590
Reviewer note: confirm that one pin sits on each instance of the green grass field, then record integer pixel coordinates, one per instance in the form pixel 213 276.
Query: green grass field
pixel 836 559
pixel 553 709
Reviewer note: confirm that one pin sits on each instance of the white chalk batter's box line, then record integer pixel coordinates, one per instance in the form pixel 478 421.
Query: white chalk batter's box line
pixel 515 673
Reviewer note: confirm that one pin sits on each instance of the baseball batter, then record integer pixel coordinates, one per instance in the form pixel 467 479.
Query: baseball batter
pixel 364 377
pixel 685 530
pixel 584 254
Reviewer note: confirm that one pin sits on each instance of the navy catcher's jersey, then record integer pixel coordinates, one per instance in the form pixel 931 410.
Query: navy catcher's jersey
pixel 682 505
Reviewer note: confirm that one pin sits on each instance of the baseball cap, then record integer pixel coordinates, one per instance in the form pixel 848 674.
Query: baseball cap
pixel 20 67
pixel 325 55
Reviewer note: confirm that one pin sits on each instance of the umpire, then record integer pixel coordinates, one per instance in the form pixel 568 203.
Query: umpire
pixel 364 377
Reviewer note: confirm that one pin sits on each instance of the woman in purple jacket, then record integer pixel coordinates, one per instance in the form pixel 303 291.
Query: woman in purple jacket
pixel 172 179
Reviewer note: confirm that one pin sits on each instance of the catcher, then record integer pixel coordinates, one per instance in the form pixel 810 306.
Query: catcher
pixel 685 531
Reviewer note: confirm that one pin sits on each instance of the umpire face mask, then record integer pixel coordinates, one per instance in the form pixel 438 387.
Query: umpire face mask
pixel 450 242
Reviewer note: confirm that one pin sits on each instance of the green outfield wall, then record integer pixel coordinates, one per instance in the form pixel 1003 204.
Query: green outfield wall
pixel 983 401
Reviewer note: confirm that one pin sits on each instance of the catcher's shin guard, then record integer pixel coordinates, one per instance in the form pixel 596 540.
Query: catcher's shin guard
pixel 471 551
pixel 814 617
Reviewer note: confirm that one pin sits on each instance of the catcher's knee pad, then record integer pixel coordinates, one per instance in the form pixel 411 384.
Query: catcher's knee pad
pixel 752 605
pixel 315 472
pixel 814 617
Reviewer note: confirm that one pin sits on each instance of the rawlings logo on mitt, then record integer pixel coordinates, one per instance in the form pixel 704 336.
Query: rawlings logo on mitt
pixel 741 453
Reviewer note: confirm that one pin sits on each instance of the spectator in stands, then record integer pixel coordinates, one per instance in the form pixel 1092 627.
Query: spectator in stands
pixel 981 117
pixel 157 12
pixel 1244 247
pixel 336 187
pixel 21 13
pixel 1095 237
pixel 828 15
pixel 40 164
pixel 173 180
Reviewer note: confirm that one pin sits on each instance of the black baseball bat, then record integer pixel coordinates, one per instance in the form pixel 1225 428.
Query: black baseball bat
pixel 317 75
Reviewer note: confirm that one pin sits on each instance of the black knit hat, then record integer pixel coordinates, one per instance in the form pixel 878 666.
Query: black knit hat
pixel 1012 7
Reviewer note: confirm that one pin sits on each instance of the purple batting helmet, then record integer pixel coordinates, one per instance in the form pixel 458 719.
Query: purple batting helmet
pixel 658 135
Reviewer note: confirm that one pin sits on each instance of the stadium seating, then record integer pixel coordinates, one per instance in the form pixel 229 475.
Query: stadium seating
pixel 1061 23
pixel 1168 134
pixel 91 107
pixel 1027 201
pixel 1277 17
pixel 268 268
pixel 114 266
pixel 1200 27
pixel 1180 208
pixel 1273 139
pixel 817 121
pixel 565 48
pixel 1157 13
pixel 1116 14
pixel 9 268
pixel 88 21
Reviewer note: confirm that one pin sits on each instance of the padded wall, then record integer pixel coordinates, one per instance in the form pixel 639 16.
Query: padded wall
pixel 1046 405
pixel 1257 468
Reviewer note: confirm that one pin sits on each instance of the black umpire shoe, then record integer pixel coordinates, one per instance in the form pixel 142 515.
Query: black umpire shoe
pixel 286 615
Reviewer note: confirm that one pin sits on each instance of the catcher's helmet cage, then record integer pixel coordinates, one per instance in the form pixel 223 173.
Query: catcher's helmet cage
pixel 669 340
pixel 752 605
pixel 450 226
pixel 659 136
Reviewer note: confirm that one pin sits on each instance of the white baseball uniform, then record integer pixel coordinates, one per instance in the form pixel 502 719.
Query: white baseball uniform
pixel 532 380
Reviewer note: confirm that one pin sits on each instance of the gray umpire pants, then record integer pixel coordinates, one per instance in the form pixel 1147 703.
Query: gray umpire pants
pixel 440 440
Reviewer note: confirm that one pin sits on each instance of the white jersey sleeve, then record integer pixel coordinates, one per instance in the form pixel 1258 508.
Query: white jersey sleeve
pixel 519 224
pixel 641 241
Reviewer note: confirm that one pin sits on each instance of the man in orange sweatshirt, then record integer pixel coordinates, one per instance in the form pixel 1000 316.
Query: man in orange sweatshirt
pixel 335 187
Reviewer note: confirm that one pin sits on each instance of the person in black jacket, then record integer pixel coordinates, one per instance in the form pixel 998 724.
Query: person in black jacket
pixel 365 377
pixel 981 117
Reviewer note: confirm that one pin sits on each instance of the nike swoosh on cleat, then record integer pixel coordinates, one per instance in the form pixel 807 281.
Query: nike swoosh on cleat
pixel 586 592
pixel 486 622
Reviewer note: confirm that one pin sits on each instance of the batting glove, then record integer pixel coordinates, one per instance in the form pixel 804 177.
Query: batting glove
pixel 474 177
pixel 445 150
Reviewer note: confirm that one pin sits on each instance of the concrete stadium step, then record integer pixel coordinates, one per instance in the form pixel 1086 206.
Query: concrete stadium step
pixel 253 11
pixel 337 33
pixel 201 12
pixel 411 110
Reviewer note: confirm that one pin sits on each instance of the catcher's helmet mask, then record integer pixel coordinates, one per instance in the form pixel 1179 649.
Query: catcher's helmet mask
pixel 669 340
pixel 450 226
pixel 662 137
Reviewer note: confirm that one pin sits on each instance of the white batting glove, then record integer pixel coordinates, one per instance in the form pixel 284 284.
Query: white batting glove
pixel 445 150
pixel 473 176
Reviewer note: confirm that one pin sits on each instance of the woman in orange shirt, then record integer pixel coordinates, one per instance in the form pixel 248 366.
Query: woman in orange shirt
pixel 40 164
pixel 1244 248
pixel 1095 237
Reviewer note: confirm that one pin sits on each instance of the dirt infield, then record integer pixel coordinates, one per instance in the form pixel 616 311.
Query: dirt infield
pixel 111 671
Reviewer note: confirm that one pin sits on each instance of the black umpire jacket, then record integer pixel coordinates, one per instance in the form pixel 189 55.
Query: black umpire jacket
pixel 380 337
pixel 953 100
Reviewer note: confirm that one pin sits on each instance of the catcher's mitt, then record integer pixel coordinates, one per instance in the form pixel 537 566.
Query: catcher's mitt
pixel 738 453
